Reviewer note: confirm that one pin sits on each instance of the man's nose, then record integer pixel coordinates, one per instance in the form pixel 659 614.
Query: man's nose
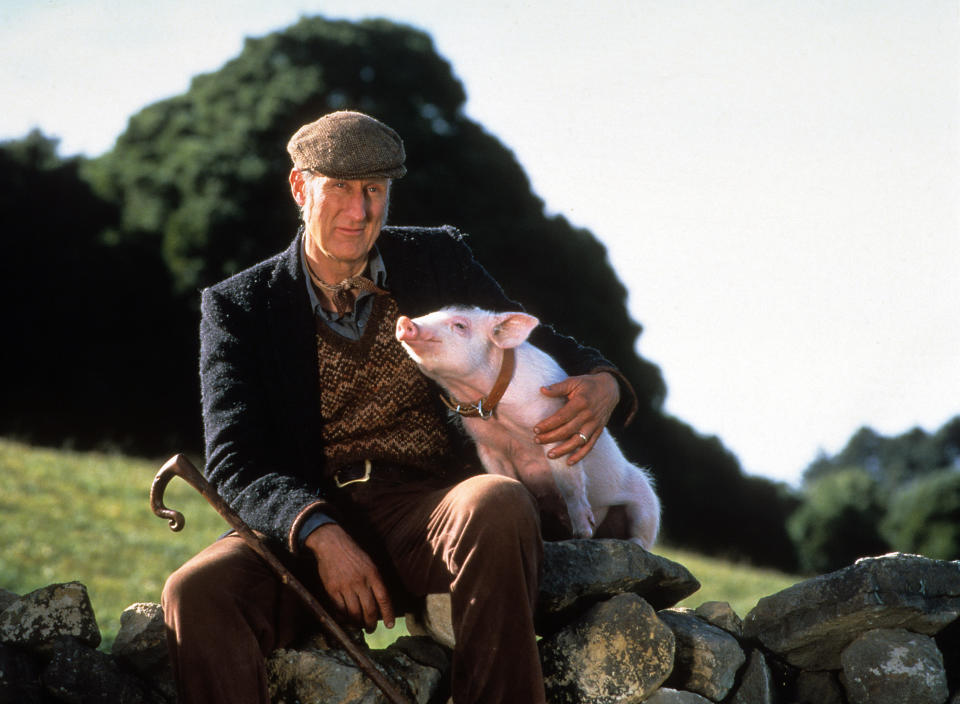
pixel 358 206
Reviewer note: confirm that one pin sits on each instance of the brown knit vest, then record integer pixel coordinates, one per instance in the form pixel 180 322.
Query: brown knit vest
pixel 375 404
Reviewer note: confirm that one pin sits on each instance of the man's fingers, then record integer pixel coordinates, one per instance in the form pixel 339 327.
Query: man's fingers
pixel 564 414
pixel 569 432
pixel 384 603
pixel 350 577
pixel 575 446
pixel 370 610
pixel 559 389
pixel 573 429
pixel 584 448
pixel 352 606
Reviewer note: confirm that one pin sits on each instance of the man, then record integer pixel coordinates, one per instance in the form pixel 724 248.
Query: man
pixel 324 436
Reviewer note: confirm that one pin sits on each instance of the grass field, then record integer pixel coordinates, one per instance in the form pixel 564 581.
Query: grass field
pixel 68 516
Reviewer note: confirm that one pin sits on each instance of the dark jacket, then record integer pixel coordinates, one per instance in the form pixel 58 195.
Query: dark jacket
pixel 258 368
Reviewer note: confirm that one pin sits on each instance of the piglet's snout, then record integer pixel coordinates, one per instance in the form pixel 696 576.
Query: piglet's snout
pixel 407 329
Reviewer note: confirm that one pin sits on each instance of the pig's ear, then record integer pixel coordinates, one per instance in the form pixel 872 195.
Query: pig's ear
pixel 511 329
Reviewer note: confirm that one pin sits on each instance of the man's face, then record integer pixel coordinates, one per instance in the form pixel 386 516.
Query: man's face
pixel 343 218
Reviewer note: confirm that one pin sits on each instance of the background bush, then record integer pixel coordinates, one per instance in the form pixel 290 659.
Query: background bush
pixel 924 516
pixel 838 521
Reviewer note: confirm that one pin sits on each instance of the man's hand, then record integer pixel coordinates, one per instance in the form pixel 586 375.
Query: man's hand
pixel 350 577
pixel 590 402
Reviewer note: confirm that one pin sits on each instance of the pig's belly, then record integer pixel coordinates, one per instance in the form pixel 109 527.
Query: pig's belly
pixel 524 461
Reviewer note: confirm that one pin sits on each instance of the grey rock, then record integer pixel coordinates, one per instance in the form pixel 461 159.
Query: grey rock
pixel 576 575
pixel 78 674
pixel 296 676
pixel 37 618
pixel 892 666
pixel 422 681
pixel 756 685
pixel 721 615
pixel 19 677
pixel 141 642
pixel 141 646
pixel 305 675
pixel 707 658
pixel 810 623
pixel 435 620
pixel 6 599
pixel 580 573
pixel 424 651
pixel 321 640
pixel 617 652
pixel 665 695
pixel 820 687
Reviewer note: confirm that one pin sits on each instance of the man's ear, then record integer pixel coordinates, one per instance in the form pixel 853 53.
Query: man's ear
pixel 297 187
pixel 511 329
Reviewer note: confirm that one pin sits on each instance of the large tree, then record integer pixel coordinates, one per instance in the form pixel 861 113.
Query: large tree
pixel 89 324
pixel 202 178
pixel 203 175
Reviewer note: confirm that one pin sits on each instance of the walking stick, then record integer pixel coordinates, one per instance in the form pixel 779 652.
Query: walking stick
pixel 180 466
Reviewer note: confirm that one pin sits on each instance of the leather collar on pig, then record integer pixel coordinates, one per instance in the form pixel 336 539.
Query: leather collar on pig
pixel 484 407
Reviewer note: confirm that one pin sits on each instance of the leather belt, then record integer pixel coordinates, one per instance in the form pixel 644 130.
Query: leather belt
pixel 349 475
pixel 370 470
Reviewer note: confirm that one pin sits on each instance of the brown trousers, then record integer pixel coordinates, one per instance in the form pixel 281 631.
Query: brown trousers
pixel 479 539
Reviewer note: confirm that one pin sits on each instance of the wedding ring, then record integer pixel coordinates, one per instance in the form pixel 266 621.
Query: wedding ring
pixel 583 437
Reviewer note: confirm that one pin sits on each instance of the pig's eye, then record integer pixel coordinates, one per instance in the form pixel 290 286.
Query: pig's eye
pixel 460 327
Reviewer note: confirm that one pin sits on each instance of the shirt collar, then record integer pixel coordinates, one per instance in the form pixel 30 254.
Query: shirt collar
pixel 375 270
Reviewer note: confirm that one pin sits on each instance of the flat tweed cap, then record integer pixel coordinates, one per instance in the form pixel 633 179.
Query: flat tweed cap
pixel 348 145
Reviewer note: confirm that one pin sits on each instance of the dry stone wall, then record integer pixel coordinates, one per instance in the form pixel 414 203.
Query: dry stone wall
pixel 883 630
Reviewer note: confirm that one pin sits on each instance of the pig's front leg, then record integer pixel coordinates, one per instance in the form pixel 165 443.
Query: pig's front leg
pixel 495 462
pixel 572 483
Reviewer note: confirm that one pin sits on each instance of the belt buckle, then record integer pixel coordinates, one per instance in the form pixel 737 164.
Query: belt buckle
pixel 367 466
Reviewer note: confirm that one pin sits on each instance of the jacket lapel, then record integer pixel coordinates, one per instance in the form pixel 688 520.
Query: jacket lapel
pixel 294 349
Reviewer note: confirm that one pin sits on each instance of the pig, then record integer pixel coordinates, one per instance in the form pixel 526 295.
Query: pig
pixel 461 349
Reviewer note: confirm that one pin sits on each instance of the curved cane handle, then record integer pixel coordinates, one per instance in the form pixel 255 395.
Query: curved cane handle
pixel 176 466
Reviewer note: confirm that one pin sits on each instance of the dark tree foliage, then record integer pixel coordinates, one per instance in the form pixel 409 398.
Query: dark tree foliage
pixel 893 461
pixel 200 181
pixel 900 492
pixel 924 516
pixel 838 521
pixel 86 324
pixel 708 503
pixel 203 176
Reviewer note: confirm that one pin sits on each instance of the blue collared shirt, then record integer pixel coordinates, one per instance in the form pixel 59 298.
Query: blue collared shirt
pixel 351 324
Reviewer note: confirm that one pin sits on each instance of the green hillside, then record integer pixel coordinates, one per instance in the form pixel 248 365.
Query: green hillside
pixel 70 516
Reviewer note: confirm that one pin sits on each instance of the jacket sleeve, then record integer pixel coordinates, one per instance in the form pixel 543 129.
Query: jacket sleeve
pixel 481 289
pixel 251 459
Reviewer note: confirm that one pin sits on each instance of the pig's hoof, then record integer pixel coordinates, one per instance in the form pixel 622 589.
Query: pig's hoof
pixel 583 528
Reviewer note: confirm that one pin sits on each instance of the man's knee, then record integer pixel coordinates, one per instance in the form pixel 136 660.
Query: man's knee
pixel 502 496
pixel 501 537
pixel 204 582
pixel 501 508
pixel 187 588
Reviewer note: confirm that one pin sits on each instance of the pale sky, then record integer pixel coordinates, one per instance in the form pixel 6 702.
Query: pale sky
pixel 776 181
